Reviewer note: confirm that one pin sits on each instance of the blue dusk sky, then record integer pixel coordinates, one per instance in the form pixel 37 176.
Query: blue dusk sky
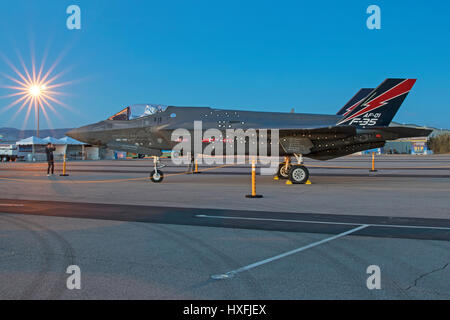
pixel 252 55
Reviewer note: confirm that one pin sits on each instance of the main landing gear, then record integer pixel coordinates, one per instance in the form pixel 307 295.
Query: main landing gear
pixel 295 173
pixel 156 175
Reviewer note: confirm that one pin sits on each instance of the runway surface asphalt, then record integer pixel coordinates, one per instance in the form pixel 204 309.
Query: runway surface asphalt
pixel 134 239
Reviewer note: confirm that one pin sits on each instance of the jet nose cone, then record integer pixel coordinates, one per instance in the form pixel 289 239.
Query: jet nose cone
pixel 90 134
pixel 81 134
pixel 75 134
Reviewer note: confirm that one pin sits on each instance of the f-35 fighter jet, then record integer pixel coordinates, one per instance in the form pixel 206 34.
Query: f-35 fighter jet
pixel 362 124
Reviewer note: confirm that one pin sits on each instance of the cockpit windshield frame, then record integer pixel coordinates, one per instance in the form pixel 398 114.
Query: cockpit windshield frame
pixel 138 111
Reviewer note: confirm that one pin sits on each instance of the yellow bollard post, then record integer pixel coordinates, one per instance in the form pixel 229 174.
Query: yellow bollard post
pixel 196 167
pixel 64 174
pixel 373 163
pixel 253 195
pixel 253 179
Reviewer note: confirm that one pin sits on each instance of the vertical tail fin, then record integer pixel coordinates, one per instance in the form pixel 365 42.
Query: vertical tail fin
pixel 354 101
pixel 379 107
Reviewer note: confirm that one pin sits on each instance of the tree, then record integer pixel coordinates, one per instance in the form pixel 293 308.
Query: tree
pixel 440 143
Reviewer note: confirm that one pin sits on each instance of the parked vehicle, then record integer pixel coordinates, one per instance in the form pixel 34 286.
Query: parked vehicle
pixel 8 152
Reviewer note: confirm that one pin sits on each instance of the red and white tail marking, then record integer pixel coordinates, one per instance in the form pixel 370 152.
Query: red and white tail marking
pixel 396 91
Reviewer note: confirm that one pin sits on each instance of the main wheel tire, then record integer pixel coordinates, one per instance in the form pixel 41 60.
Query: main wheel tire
pixel 156 176
pixel 282 173
pixel 298 174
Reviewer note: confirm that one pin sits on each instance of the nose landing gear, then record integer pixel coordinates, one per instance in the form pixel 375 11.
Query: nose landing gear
pixel 156 175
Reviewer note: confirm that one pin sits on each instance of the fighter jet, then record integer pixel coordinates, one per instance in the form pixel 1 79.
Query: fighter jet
pixel 362 124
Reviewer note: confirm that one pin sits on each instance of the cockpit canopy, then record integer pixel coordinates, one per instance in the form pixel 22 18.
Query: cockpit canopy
pixel 138 111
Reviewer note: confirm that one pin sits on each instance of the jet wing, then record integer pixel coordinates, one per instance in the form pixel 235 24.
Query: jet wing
pixel 319 132
pixel 301 140
pixel 332 131
pixel 306 141
pixel 404 132
pixel 133 148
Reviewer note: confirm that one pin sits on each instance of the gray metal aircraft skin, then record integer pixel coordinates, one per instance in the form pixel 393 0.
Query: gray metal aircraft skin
pixel 311 135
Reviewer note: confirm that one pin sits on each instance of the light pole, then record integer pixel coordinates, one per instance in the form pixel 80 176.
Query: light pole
pixel 36 91
pixel 37 119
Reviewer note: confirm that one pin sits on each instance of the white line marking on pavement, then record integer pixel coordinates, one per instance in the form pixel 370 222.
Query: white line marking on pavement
pixel 321 222
pixel 232 273
pixel 10 205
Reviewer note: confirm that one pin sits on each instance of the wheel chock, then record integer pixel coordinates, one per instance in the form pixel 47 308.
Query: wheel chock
pixel 288 182
pixel 308 182
pixel 276 178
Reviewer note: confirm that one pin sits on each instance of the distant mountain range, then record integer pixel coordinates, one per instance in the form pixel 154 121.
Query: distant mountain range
pixel 13 134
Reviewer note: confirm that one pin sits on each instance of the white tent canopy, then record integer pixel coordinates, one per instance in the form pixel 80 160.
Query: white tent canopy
pixel 70 141
pixel 33 149
pixel 31 141
pixel 38 141
pixel 52 140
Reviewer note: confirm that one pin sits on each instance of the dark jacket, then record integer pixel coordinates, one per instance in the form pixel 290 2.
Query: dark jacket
pixel 49 152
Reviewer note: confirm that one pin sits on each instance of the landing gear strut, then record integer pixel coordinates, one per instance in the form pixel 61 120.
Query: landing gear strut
pixel 283 169
pixel 156 175
pixel 295 173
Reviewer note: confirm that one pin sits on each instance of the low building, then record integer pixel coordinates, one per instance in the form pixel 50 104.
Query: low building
pixel 415 145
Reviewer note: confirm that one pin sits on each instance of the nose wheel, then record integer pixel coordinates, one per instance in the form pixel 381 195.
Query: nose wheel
pixel 156 175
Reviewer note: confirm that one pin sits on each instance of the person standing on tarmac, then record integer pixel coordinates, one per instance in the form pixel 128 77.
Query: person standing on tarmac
pixel 51 164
